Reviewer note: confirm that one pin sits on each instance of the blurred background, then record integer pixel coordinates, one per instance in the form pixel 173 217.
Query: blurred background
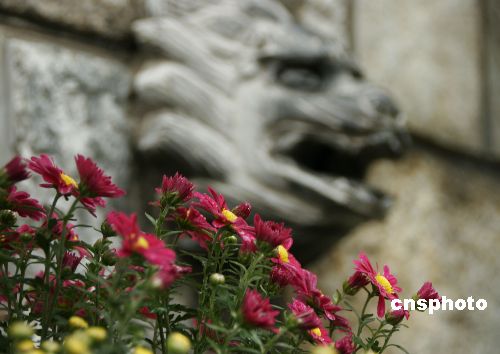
pixel 94 77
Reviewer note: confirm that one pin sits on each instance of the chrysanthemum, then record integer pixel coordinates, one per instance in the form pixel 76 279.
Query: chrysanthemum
pixel 427 292
pixel 14 171
pixel 320 335
pixel 386 283
pixel 396 316
pixel 287 270
pixel 194 224
pixel 174 190
pixel 137 242
pixel 216 205
pixel 53 175
pixel 306 316
pixel 309 293
pixel 94 184
pixel 272 232
pixel 258 311
pixel 25 206
pixel 345 345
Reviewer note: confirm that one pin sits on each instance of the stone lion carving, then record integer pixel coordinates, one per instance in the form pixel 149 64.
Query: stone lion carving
pixel 250 101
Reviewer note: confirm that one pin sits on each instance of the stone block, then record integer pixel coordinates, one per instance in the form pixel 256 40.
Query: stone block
pixel 109 18
pixel 428 54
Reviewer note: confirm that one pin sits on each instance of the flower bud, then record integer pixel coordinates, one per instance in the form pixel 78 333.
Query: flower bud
pixel 231 240
pixel 142 350
pixel 77 322
pixel 178 343
pixel 77 343
pixel 25 345
pixel 50 346
pixel 217 279
pixel 108 258
pixel 107 230
pixel 7 219
pixel 324 349
pixel 20 330
pixel 396 316
pixel 97 334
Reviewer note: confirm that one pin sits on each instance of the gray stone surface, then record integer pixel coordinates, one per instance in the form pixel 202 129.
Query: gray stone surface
pixel 443 227
pixel 110 18
pixel 63 102
pixel 429 54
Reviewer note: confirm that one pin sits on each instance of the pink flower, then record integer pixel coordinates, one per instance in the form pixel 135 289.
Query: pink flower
pixel 94 184
pixel 243 210
pixel 71 261
pixel 386 283
pixel 14 171
pixel 273 233
pixel 306 316
pixel 137 242
pixel 320 335
pixel 174 190
pixel 258 311
pixel 309 293
pixel 25 206
pixel 194 224
pixel 354 283
pixel 427 292
pixel 345 345
pixel 216 205
pixel 287 270
pixel 53 175
pixel 146 245
pixel 396 316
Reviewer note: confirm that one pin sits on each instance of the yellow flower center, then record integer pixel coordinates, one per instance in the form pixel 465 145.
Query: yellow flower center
pixel 68 180
pixel 141 243
pixel 282 254
pixel 383 282
pixel 229 215
pixel 316 331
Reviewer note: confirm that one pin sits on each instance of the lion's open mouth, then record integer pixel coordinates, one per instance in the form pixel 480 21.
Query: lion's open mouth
pixel 340 164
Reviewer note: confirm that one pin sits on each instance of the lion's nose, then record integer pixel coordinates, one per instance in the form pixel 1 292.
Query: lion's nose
pixel 383 104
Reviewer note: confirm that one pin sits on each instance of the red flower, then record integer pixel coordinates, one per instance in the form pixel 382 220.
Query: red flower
pixel 243 210
pixel 427 292
pixel 53 175
pixel 71 261
pixel 320 335
pixel 287 270
pixel 272 232
pixel 137 242
pixel 306 316
pixel 258 311
pixel 396 316
pixel 386 283
pixel 354 283
pixel 94 184
pixel 194 224
pixel 25 206
pixel 216 205
pixel 345 345
pixel 14 171
pixel 174 190
pixel 309 293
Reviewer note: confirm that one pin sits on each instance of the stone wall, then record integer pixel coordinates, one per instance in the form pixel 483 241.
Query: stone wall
pixel 66 68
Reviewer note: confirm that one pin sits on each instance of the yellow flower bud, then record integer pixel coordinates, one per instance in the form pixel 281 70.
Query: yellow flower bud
pixel 50 346
pixel 77 343
pixel 142 350
pixel 25 345
pixel 178 343
pixel 323 349
pixel 97 334
pixel 77 322
pixel 20 330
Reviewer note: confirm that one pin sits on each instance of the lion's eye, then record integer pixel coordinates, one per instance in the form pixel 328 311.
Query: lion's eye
pixel 307 76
